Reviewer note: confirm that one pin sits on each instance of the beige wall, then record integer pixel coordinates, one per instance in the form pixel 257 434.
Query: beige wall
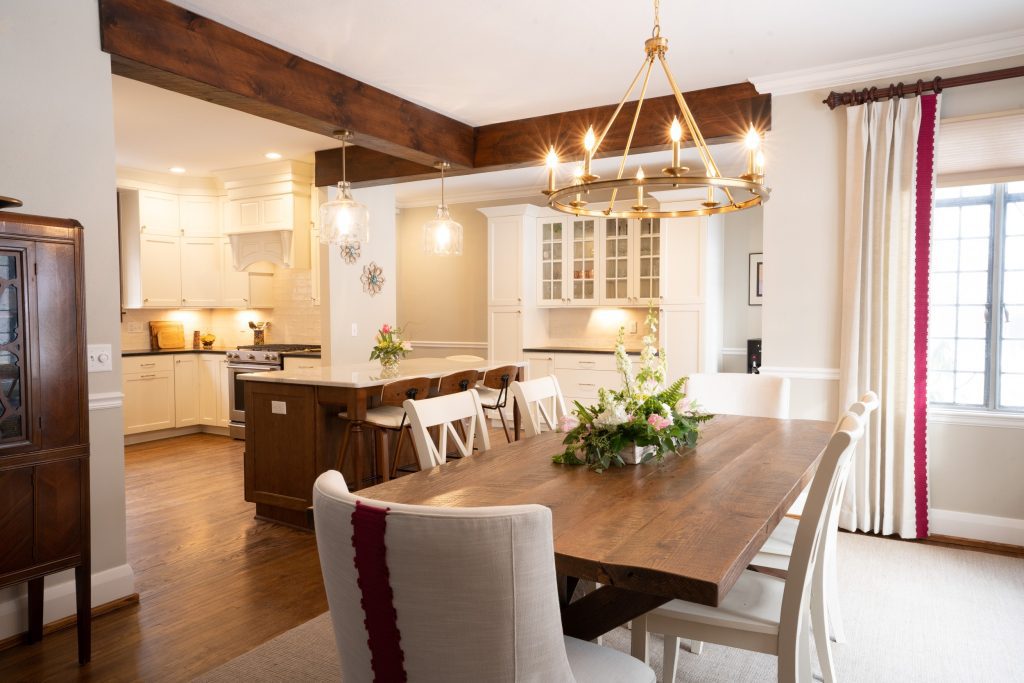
pixel 975 471
pixel 442 298
pixel 56 113
pixel 740 321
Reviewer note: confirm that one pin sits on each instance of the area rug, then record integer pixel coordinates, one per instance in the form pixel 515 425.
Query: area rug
pixel 912 613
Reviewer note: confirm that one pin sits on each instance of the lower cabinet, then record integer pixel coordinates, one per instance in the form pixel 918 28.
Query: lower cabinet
pixel 148 393
pixel 175 390
pixel 186 390
pixel 213 390
pixel 582 375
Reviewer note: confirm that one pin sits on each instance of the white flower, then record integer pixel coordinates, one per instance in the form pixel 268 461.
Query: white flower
pixel 686 406
pixel 614 414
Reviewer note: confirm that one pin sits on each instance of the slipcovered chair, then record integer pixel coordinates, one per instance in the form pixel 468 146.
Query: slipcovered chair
pixel 734 393
pixel 448 594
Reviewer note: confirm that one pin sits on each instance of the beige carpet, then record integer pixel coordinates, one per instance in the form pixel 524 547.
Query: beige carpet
pixel 912 613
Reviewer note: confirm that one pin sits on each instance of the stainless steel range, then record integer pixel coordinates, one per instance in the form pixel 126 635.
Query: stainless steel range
pixel 255 358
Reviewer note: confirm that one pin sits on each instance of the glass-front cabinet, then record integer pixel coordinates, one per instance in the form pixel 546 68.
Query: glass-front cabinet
pixel 598 262
pixel 12 347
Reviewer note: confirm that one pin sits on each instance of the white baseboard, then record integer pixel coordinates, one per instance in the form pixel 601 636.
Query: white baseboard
pixel 976 527
pixel 144 437
pixel 59 599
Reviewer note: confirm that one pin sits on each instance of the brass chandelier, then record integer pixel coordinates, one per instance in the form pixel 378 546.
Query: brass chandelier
pixel 588 195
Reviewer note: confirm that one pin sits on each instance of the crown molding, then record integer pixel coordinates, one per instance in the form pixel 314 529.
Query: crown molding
pixel 958 53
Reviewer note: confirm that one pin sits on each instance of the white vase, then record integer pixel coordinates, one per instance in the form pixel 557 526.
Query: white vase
pixel 633 454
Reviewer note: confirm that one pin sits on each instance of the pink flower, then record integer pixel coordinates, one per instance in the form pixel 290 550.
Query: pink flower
pixel 385 329
pixel 658 422
pixel 567 423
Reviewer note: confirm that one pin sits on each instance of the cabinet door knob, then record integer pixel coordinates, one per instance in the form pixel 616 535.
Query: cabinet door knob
pixel 145 301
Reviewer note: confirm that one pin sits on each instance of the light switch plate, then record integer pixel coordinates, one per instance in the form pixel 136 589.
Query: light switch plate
pixel 100 359
pixel 279 407
pixel 355 329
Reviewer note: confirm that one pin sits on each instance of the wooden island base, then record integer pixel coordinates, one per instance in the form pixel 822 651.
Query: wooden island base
pixel 294 425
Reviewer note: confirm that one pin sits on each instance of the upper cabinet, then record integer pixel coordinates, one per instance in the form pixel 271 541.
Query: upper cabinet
pixel 584 261
pixel 173 255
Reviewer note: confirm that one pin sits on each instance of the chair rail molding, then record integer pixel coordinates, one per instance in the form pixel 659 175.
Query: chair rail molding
pixel 106 400
pixel 895 65
pixel 831 374
pixel 448 344
pixel 729 351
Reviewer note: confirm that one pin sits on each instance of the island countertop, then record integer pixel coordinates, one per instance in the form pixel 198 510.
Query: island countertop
pixel 362 375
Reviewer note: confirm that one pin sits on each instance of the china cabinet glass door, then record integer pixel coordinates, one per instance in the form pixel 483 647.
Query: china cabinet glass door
pixel 616 261
pixel 12 348
pixel 583 261
pixel 551 262
pixel 649 261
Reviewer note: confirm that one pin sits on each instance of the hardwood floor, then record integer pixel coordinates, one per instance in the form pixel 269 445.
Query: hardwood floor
pixel 213 582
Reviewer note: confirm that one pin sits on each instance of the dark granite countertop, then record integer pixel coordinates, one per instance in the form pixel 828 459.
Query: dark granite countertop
pixel 576 349
pixel 152 352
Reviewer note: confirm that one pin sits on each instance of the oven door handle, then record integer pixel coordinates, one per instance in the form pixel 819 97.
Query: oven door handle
pixel 252 368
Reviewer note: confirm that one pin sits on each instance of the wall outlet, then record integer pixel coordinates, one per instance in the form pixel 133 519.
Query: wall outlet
pixel 134 327
pixel 279 407
pixel 632 327
pixel 100 359
pixel 355 329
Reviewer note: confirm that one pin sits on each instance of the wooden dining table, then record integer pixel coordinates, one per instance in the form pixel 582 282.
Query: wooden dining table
pixel 686 527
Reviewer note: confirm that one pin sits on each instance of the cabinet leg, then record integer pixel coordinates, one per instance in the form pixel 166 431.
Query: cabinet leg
pixel 35 610
pixel 83 599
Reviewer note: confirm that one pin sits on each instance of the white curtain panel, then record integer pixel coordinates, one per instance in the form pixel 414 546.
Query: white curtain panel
pixel 877 338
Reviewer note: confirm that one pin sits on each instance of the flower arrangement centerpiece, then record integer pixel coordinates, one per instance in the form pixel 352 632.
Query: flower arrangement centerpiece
pixel 641 422
pixel 389 348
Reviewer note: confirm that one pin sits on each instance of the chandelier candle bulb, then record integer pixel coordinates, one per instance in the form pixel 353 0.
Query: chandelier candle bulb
pixel 552 160
pixel 676 133
pixel 759 163
pixel 640 190
pixel 589 140
pixel 753 143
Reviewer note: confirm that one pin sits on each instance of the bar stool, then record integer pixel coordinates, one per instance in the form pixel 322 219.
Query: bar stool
pixel 386 417
pixel 493 390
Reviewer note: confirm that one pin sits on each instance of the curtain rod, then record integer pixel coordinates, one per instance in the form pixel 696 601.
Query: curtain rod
pixel 937 85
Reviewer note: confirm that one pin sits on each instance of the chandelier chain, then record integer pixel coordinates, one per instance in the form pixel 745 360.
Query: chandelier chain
pixel 656 31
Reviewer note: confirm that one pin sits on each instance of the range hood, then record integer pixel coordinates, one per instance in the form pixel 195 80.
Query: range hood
pixel 268 214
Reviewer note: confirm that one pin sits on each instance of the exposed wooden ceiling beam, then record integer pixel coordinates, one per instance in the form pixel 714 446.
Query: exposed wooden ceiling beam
pixel 396 140
pixel 171 47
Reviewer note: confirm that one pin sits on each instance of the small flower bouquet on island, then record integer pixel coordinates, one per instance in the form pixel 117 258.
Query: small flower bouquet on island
pixel 641 422
pixel 389 348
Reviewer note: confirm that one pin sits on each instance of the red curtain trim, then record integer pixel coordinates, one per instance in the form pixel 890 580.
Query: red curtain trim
pixel 923 231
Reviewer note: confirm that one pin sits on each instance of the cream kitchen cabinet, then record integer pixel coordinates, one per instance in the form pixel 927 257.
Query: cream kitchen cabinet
pixel 186 390
pixel 540 364
pixel 630 263
pixel 199 216
pixel 153 278
pixel 302 363
pixel 158 213
pixel 567 261
pixel 200 272
pixel 581 375
pixel 213 390
pixel 256 214
pixel 149 398
pixel 590 262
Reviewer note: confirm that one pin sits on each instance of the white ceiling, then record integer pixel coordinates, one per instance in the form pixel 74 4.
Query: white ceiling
pixel 155 129
pixel 482 61
pixel 495 60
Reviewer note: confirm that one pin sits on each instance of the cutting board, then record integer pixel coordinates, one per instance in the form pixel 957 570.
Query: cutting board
pixel 166 334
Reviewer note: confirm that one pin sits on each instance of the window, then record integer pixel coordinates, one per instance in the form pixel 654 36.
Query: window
pixel 976 303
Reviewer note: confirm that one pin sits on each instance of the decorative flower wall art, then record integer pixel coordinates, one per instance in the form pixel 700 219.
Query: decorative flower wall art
pixel 350 252
pixel 372 279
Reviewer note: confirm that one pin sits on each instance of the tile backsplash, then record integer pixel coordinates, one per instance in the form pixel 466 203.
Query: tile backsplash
pixel 595 327
pixel 293 320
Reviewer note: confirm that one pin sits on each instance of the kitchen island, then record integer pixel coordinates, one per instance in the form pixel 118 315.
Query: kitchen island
pixel 295 420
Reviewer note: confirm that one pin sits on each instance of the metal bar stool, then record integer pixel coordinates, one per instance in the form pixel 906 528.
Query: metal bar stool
pixel 387 416
pixel 493 390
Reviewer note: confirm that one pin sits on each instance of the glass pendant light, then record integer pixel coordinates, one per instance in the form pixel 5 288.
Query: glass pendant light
pixel 442 235
pixel 343 220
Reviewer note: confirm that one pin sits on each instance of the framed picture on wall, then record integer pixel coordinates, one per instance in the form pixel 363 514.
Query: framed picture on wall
pixel 755 279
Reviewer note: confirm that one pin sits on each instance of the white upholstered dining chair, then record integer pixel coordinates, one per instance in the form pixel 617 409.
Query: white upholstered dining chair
pixel 397 614
pixel 445 412
pixel 734 393
pixel 540 403
pixel 761 612
pixel 778 549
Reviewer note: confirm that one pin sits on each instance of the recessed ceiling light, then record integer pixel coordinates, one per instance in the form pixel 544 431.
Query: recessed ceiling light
pixel 272 155
pixel 176 169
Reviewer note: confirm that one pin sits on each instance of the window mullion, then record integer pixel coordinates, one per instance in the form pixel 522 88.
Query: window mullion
pixel 996 299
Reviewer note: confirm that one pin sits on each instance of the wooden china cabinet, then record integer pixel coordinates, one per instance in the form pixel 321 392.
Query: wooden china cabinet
pixel 44 426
